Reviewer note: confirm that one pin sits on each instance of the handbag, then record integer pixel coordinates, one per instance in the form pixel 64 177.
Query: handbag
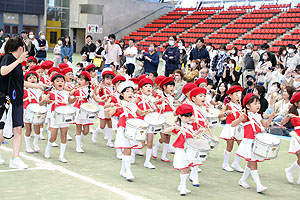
pixel 97 62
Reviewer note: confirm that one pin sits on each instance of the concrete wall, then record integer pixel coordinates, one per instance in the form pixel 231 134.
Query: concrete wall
pixel 116 15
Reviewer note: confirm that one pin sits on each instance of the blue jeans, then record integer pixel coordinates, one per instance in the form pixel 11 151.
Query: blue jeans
pixel 40 58
pixel 107 65
pixel 276 119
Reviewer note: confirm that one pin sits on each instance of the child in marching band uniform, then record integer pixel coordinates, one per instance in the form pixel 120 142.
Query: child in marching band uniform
pixel 293 116
pixel 126 110
pixel 101 95
pixel 46 66
pixel 83 94
pixel 58 97
pixel 232 112
pixel 253 124
pixel 186 89
pixel 69 76
pixel 145 101
pixel 32 96
pixel 165 105
pixel 183 130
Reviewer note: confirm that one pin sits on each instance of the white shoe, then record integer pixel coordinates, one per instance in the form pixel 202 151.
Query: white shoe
pixel 237 167
pixel 187 190
pixel 47 154
pixel 183 192
pixel 129 176
pixel 171 150
pixel 63 160
pixel 1 160
pixel 227 168
pixel 195 183
pixel 69 138
pixel 36 148
pixel 42 137
pixel 289 175
pixel 119 156
pixel 29 150
pixel 110 144
pixel 199 170
pixel 149 165
pixel 17 163
pixel 261 189
pixel 140 152
pixel 54 144
pixel 123 174
pixel 79 150
pixel 244 184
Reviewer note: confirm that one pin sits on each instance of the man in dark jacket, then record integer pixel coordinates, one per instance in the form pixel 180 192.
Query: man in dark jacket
pixel 171 56
pixel 151 59
pixel 200 51
pixel 88 48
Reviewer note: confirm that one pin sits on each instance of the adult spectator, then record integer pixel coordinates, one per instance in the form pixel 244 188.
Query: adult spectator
pixel 130 54
pixel 41 46
pixel 171 56
pixel 32 51
pixel 233 53
pixel 260 91
pixel 183 54
pixel 221 93
pixel 200 51
pixel 219 63
pixel 274 75
pixel 89 48
pixel 193 71
pixel 250 60
pixel 291 60
pixel 263 67
pixel 151 59
pixel 67 49
pixel 281 55
pixel 250 84
pixel 265 48
pixel 204 73
pixel 113 50
pixel 57 52
pixel 179 83
pixel 6 38
pixel 230 75
pixel 288 79
pixel 99 49
pixel 26 40
pixel 1 37
pixel 123 48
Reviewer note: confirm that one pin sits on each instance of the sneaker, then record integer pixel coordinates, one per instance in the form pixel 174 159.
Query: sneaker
pixel 63 160
pixel 129 176
pixel 289 175
pixel 165 160
pixel 195 183
pixel 119 156
pixel 79 150
pixel 47 154
pixel 36 148
pixel 42 137
pixel 187 190
pixel 54 144
pixel 17 163
pixel 244 184
pixel 149 165
pixel 199 170
pixel 183 192
pixel 171 150
pixel 123 174
pixel 140 153
pixel 227 168
pixel 69 138
pixel 110 144
pixel 237 167
pixel 261 189
pixel 29 150
pixel 1 160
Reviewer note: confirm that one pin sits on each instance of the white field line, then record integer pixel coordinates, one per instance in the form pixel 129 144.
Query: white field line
pixel 14 170
pixel 49 166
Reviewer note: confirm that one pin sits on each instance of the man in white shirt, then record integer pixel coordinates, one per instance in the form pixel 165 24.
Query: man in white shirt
pixel 130 54
pixel 112 50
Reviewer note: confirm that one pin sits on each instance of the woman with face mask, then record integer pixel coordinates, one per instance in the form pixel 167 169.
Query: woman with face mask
pixel 171 56
pixel 281 55
pixel 230 75
pixel 183 54
pixel 57 52
pixel 263 67
pixel 193 71
pixel 219 63
pixel 151 59
pixel 41 46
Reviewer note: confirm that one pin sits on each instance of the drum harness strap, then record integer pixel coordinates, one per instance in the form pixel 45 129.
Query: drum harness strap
pixel 166 101
pixel 128 111
pixel 106 94
pixel 146 100
pixel 253 121
pixel 198 111
pixel 61 100
pixel 31 95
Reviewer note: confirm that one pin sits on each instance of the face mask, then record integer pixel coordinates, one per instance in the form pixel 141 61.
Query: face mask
pixel 140 68
pixel 59 42
pixel 222 53
pixel 193 65
pixel 194 46
pixel 262 51
pixel 179 45
pixel 151 49
pixel 249 50
pixel 208 48
pixel 291 51
pixel 296 84
pixel 171 42
pixel 122 70
pixel 230 65
pixel 232 51
pixel 249 83
pixel 273 89
pixel 31 36
pixel 243 51
pixel 43 37
pixel 284 52
pixel 265 57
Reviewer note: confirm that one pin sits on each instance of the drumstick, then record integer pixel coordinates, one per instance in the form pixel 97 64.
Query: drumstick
pixel 209 130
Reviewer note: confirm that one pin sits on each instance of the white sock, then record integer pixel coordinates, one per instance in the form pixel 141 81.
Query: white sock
pixel 127 160
pixel 148 155
pixel 255 176
pixel 36 139
pixel 133 152
pixel 41 130
pixel 109 134
pixel 245 174
pixel 78 141
pixel 293 167
pixel 156 147
pixel 183 178
pixel 226 157
pixel 123 168
pixel 236 160
pixel 194 173
pixel 27 142
pixel 165 151
pixel 105 131
pixel 62 150
pixel 48 147
pixel 119 151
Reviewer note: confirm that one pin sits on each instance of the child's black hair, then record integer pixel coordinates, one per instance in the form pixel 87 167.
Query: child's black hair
pixel 251 100
pixel 168 83
pixel 31 74
pixel 108 76
pixel 58 76
pixel 89 86
pixel 121 96
pixel 183 115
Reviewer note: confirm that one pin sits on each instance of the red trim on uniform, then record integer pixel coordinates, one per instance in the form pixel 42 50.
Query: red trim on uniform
pixel 249 159
pixel 295 152
pixel 85 124
pixel 104 118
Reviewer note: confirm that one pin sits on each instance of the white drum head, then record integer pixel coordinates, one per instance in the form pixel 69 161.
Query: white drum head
pixel 66 110
pixel 137 123
pixel 36 108
pixel 89 107
pixel 198 144
pixel 155 119
pixel 267 138
pixel 170 118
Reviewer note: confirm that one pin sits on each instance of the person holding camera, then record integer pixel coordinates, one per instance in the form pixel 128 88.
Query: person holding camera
pixel 230 75
pixel 219 63
pixel 263 67
pixel 250 60
pixel 151 59
pixel 113 51
pixel 88 48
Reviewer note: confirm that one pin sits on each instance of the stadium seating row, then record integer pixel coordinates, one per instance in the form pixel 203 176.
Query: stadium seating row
pixel 249 21
pixel 255 42
pixel 202 30
pixel 233 31
pixel 192 35
pixel 259 36
pixel 196 17
pixel 276 6
pixel 240 7
pixel 241 26
pixel 141 33
pixel 227 16
pixel 230 36
pixel 274 31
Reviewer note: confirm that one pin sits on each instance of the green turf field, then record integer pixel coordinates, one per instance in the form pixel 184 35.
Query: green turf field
pixel 99 164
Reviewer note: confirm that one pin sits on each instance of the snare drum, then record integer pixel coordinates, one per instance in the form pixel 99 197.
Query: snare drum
pixel 64 115
pixel 266 145
pixel 196 149
pixel 212 140
pixel 136 129
pixel 170 120
pixel 88 111
pixel 239 132
pixel 212 116
pixel 155 122
pixel 35 114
